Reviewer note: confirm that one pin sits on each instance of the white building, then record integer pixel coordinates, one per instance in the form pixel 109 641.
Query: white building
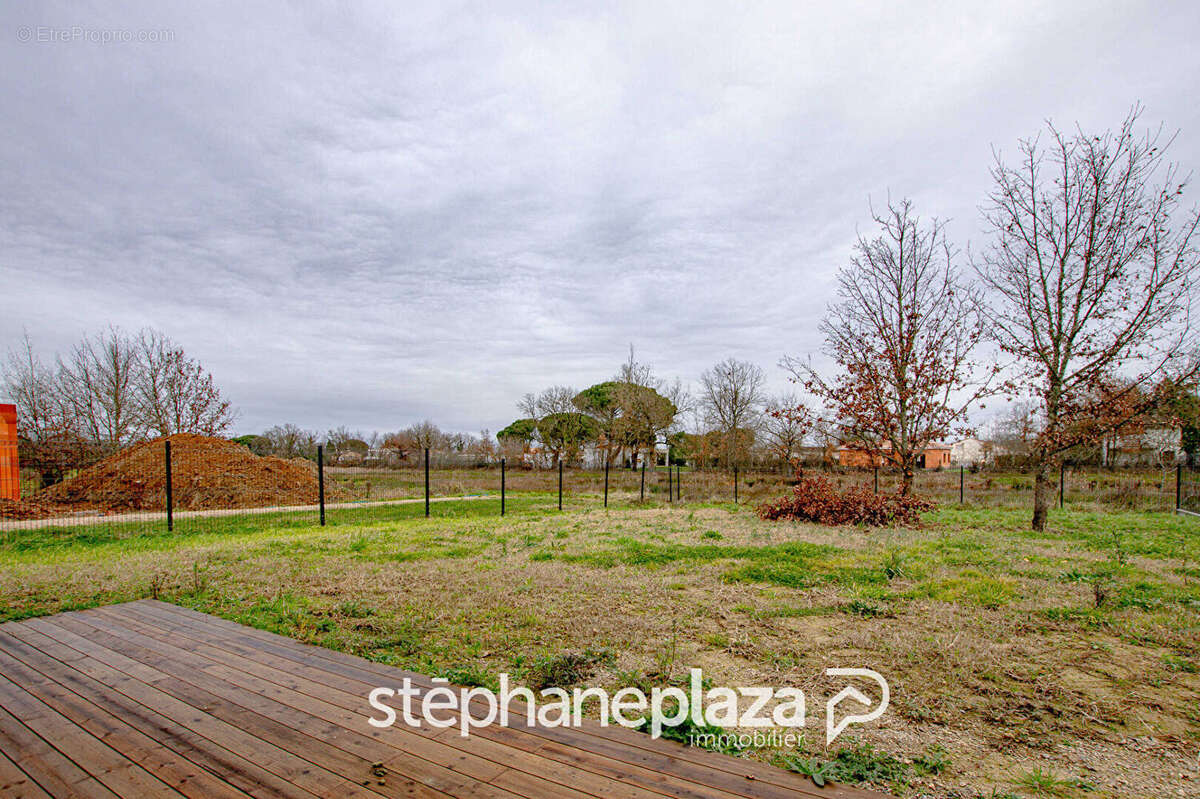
pixel 970 452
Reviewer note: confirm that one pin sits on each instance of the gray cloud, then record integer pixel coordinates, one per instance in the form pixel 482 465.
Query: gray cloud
pixel 372 215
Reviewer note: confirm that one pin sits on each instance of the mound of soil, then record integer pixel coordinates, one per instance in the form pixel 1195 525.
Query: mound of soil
pixel 10 509
pixel 206 474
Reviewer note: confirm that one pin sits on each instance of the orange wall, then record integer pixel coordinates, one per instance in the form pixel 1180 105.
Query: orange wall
pixel 10 473
pixel 857 458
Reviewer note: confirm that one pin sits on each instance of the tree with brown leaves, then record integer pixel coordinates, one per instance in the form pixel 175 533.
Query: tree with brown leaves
pixel 901 334
pixel 1089 276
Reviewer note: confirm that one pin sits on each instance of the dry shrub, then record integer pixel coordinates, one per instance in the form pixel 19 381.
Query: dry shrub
pixel 816 499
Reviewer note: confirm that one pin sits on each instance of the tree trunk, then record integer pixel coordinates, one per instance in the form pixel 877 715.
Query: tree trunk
pixel 906 480
pixel 1043 488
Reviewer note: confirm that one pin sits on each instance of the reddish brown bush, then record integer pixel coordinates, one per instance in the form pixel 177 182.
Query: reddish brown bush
pixel 815 499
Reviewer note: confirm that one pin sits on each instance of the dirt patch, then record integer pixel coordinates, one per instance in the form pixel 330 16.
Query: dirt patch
pixel 206 473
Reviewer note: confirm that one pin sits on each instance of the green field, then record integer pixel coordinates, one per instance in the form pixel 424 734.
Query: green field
pixel 1063 663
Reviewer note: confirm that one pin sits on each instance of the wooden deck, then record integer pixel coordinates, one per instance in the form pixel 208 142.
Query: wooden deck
pixel 148 699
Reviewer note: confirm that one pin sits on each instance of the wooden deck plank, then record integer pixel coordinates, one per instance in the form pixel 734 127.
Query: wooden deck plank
pixel 274 702
pixel 499 744
pixel 234 768
pixel 16 784
pixel 51 768
pixel 740 776
pixel 305 678
pixel 150 699
pixel 346 709
pixel 336 770
pixel 123 775
pixel 163 763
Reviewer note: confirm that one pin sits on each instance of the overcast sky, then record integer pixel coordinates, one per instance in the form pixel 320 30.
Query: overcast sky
pixel 372 216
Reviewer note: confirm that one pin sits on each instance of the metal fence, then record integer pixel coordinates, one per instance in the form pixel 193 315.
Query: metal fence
pixel 1187 491
pixel 195 485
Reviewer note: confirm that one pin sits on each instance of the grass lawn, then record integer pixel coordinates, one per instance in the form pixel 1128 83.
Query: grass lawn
pixel 1062 664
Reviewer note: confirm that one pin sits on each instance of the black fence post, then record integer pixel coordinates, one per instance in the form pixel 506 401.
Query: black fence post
pixel 1062 485
pixel 321 481
pixel 170 493
pixel 1178 486
pixel 502 465
pixel 962 479
pixel 735 484
pixel 560 483
pixel 427 482
pixel 670 479
pixel 679 482
pixel 606 482
pixel 875 472
pixel 643 489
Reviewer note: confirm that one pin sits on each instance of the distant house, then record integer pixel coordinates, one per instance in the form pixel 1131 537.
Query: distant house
pixel 1147 447
pixel 935 456
pixel 971 451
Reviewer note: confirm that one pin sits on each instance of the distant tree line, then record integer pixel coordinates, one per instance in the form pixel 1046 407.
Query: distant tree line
pixel 345 447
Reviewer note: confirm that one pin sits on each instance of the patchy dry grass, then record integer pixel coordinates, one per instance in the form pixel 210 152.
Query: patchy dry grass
pixel 1061 664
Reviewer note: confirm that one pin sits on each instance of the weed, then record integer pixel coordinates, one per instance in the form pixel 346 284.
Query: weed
pixel 1045 783
pixel 686 731
pixel 934 761
pixel 863 609
pixel 893 565
pixel 819 771
pixel 157 582
pixel 469 676
pixel 564 669
pixel 1102 581
pixel 354 609
pixel 199 578
pixel 860 763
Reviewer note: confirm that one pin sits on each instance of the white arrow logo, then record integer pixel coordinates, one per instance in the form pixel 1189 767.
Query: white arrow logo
pixel 832 731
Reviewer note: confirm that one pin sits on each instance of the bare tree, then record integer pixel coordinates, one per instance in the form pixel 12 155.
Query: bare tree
pixel 342 443
pixel 901 334
pixel 98 381
pixel 427 435
pixel 561 426
pixel 398 445
pixel 1090 275
pixel 30 384
pixel 174 393
pixel 290 441
pixel 1015 431
pixel 784 429
pixel 48 442
pixel 731 395
pixel 649 408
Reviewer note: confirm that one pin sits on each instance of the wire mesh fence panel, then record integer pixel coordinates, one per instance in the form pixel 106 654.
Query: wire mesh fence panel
pixel 1187 492
pixel 215 486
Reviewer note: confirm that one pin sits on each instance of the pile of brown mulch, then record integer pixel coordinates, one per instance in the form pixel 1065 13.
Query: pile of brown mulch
pixel 206 474
pixel 25 509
